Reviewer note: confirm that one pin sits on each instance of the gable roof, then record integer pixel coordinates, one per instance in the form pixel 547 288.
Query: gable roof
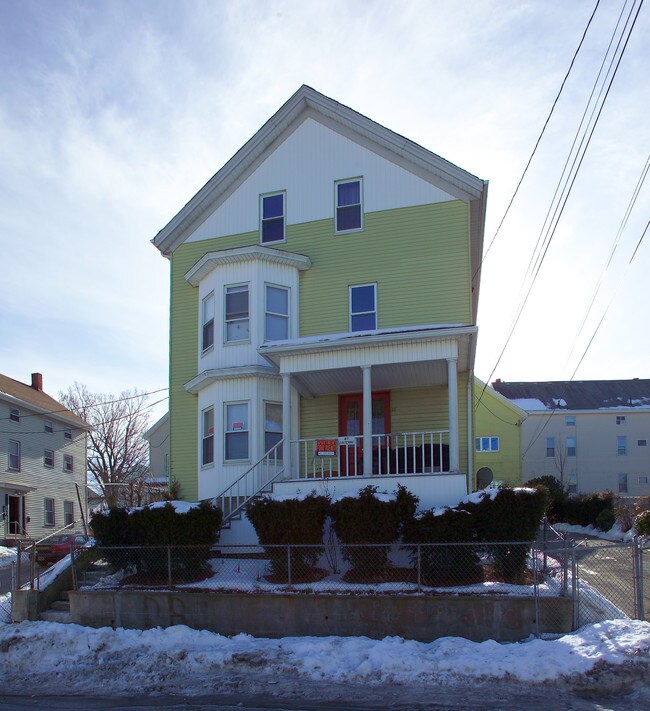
pixel 491 392
pixel 305 103
pixel 13 390
pixel 577 394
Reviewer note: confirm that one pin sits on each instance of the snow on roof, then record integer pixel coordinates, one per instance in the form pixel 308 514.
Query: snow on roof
pixel 530 403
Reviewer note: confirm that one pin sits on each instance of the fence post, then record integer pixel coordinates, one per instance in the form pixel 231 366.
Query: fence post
pixel 19 569
pixel 419 570
pixel 536 593
pixel 169 565
pixel 637 566
pixel 565 568
pixel 289 565
pixel 575 593
pixel 73 569
pixel 544 538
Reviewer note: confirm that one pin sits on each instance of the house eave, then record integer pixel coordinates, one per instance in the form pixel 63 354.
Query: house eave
pixel 60 417
pixel 207 377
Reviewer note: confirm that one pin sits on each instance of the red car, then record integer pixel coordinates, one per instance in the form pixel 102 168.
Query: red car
pixel 57 547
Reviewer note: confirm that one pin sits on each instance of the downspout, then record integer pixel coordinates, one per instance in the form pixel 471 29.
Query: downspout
pixel 470 437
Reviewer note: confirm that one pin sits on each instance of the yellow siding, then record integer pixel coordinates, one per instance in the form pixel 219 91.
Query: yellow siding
pixel 495 418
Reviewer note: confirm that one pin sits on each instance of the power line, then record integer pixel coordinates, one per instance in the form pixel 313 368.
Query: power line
pixel 538 260
pixel 539 138
pixel 96 404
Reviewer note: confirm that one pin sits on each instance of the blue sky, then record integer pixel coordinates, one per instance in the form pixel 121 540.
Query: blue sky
pixel 113 114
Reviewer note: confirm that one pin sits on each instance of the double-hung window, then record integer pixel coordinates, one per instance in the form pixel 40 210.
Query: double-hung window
pixel 550 446
pixel 236 434
pixel 621 446
pixel 272 426
pixel 207 322
pixel 14 414
pixel 48 512
pixel 276 324
pixel 237 314
pixel 67 433
pixel 207 434
pixel 68 513
pixel 571 446
pixel 14 455
pixel 570 420
pixel 68 463
pixel 48 426
pixel 272 218
pixel 349 212
pixel 48 458
pixel 620 419
pixel 363 307
pixel 622 483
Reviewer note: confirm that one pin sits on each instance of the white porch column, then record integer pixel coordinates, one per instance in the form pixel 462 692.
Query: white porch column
pixel 367 420
pixel 286 423
pixel 452 388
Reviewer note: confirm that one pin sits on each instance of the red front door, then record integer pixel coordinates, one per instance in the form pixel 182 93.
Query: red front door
pixel 351 425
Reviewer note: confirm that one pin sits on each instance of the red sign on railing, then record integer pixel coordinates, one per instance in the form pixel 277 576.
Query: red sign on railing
pixel 326 447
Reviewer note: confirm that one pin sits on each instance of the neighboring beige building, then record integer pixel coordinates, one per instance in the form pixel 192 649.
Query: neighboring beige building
pixel 592 435
pixel 42 462
pixel 497 437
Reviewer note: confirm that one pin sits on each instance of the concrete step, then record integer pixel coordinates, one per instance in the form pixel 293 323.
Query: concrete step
pixel 60 606
pixel 55 616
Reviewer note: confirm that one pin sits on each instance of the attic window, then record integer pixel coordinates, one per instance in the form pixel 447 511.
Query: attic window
pixel 272 218
pixel 14 414
pixel 348 205
pixel 620 419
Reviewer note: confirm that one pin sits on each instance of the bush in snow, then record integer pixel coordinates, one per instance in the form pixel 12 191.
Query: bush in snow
pixel 642 523
pixel 292 521
pixel 369 519
pixel 584 509
pixel 557 495
pixel 510 518
pixel 191 534
pixel 444 564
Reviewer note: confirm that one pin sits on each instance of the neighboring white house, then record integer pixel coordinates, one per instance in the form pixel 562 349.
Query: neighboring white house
pixel 592 435
pixel 158 437
pixel 42 462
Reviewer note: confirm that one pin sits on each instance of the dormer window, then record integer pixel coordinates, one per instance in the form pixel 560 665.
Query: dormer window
pixel 272 218
pixel 14 414
pixel 348 205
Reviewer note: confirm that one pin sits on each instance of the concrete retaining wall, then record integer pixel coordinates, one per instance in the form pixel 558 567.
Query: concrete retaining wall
pixel 505 619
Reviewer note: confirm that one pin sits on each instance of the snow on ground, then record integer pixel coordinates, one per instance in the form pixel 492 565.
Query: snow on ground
pixel 7 556
pixel 81 659
pixel 614 534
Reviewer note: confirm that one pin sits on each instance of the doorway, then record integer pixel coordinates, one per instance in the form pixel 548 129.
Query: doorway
pixel 351 425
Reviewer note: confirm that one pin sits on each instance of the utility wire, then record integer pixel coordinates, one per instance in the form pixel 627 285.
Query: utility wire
pixel 539 139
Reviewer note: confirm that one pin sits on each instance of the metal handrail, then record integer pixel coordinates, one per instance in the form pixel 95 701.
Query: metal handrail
pixel 234 489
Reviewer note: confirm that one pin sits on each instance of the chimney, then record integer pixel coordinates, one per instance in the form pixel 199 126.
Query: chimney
pixel 37 382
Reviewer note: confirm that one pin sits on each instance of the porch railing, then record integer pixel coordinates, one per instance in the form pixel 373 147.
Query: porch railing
pixel 252 482
pixel 394 453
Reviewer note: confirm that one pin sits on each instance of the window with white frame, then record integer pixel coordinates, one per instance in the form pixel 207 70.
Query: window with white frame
pixel 272 426
pixel 48 426
pixel 207 322
pixel 68 463
pixel 48 458
pixel 571 446
pixel 207 436
pixel 622 483
pixel 621 446
pixel 570 420
pixel 550 446
pixel 14 414
pixel 68 513
pixel 237 314
pixel 236 434
pixel 276 320
pixel 363 307
pixel 14 455
pixel 572 483
pixel 487 444
pixel 272 218
pixel 349 212
pixel 48 512
pixel 620 419
pixel 67 433
pixel 643 479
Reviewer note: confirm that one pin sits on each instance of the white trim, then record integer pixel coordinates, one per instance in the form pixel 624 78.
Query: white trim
pixel 345 181
pixel 281 287
pixel 237 255
pixel 284 215
pixel 202 347
pixel 207 465
pixel 207 377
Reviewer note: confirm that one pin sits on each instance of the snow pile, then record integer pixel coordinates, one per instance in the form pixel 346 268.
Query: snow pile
pixel 7 556
pixel 614 534
pixel 186 660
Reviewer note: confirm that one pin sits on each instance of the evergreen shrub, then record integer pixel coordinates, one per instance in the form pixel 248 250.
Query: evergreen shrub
pixel 191 534
pixel 605 519
pixel 557 495
pixel 290 522
pixel 444 564
pixel 366 519
pixel 584 509
pixel 642 524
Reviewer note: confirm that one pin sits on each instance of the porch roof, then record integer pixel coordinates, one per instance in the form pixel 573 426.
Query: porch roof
pixel 413 356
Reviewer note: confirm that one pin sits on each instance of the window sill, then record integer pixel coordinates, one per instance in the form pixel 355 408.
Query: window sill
pixel 274 241
pixel 236 462
pixel 348 232
pixel 207 350
pixel 237 343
